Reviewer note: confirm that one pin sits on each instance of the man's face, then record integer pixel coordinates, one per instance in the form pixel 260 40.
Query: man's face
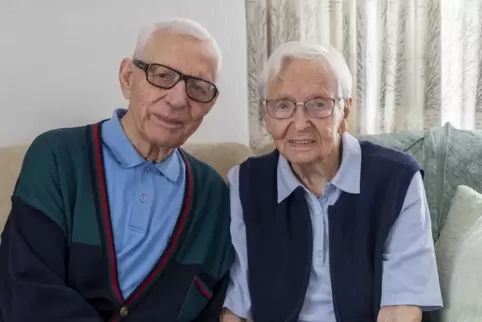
pixel 304 138
pixel 168 117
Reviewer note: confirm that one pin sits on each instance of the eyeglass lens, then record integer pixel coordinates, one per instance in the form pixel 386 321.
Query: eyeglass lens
pixel 318 108
pixel 165 77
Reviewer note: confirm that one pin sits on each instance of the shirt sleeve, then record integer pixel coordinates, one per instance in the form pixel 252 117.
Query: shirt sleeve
pixel 237 297
pixel 410 275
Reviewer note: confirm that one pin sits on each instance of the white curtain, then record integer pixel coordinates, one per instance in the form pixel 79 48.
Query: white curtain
pixel 416 63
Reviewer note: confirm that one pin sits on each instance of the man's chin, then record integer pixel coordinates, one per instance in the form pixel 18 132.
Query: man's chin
pixel 167 142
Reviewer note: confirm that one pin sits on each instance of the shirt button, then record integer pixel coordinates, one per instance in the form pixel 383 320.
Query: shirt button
pixel 124 311
pixel 147 168
pixel 143 198
pixel 319 254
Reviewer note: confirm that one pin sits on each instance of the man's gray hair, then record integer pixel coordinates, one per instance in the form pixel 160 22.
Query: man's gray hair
pixel 325 54
pixel 181 26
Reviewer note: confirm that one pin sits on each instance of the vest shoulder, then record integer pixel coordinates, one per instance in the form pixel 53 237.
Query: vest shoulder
pixel 261 160
pixel 262 166
pixel 379 153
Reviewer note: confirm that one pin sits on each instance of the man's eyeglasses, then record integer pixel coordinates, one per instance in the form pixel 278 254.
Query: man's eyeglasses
pixel 165 77
pixel 319 108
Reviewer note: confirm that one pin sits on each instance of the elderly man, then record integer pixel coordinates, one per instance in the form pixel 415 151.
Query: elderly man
pixel 113 221
pixel 326 227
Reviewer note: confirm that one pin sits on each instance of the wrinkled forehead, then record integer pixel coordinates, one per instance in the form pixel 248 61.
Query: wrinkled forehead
pixel 303 79
pixel 185 53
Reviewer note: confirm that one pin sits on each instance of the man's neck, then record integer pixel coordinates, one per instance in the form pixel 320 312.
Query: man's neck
pixel 147 150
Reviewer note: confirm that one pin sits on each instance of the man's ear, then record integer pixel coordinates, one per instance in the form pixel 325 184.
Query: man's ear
pixel 125 77
pixel 213 102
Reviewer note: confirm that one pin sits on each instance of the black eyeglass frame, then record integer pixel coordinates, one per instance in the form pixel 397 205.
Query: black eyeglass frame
pixel 182 77
pixel 266 101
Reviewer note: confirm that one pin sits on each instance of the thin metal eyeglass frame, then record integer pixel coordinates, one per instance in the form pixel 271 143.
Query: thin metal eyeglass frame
pixel 296 106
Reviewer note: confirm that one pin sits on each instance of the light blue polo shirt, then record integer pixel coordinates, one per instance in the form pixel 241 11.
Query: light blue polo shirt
pixel 145 200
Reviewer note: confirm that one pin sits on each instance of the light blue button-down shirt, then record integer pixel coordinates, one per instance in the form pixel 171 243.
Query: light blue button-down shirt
pixel 410 274
pixel 144 199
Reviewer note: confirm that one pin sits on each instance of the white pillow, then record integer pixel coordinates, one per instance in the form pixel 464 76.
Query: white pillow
pixel 464 303
pixel 464 211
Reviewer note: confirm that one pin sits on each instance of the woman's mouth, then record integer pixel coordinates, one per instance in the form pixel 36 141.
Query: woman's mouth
pixel 302 144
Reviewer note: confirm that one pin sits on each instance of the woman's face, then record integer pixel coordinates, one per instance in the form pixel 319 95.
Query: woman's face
pixel 311 131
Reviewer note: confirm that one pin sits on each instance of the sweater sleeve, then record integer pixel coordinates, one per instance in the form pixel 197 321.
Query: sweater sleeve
pixel 33 252
pixel 213 310
pixel 225 252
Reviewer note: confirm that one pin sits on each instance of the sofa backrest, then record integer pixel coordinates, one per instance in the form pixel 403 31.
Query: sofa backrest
pixel 10 164
pixel 221 156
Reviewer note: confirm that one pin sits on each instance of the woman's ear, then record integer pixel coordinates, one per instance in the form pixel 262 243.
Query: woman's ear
pixel 343 126
pixel 346 112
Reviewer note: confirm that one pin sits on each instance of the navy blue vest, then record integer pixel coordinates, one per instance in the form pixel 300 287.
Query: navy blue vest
pixel 280 237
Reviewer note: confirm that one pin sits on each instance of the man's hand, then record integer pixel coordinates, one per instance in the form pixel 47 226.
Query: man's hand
pixel 400 313
pixel 228 316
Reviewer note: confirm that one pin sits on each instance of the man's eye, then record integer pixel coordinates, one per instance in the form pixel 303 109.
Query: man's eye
pixel 319 105
pixel 163 75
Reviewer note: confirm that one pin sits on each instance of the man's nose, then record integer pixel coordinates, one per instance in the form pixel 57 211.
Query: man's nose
pixel 300 118
pixel 176 96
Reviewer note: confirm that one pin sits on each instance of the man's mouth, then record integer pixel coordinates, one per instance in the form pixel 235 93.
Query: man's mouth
pixel 167 123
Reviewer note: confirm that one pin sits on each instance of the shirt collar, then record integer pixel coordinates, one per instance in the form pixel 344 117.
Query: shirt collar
pixel 346 179
pixel 117 142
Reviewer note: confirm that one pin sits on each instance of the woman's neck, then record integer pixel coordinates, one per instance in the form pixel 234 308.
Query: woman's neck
pixel 315 175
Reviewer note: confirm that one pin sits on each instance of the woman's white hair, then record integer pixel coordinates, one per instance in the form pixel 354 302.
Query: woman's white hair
pixel 181 26
pixel 327 56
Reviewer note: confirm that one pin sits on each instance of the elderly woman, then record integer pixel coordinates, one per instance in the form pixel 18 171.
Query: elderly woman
pixel 326 227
